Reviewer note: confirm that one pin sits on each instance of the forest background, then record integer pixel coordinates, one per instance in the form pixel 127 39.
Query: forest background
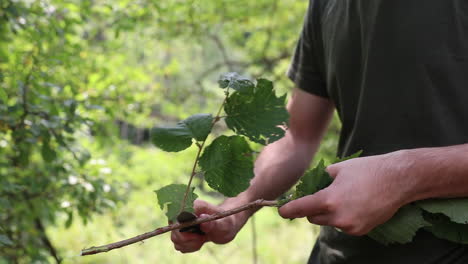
pixel 81 84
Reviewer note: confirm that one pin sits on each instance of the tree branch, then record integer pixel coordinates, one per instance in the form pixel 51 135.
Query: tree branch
pixel 162 230
pixel 200 149
pixel 46 241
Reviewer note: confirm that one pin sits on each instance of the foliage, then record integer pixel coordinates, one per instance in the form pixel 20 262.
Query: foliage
pixel 401 228
pixel 179 137
pixel 255 112
pixel 227 162
pixel 317 178
pixel 169 199
pixel 313 181
pixel 55 88
pixel 436 217
pixel 454 208
pixel 228 165
pixel 442 227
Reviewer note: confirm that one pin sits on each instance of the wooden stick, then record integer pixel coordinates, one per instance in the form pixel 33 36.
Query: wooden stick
pixel 162 230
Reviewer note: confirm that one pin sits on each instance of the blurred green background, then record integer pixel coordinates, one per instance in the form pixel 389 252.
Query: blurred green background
pixel 81 83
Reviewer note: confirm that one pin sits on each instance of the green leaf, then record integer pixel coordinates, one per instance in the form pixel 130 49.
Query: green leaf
pixel 199 125
pixel 257 115
pixel 3 95
pixel 456 209
pixel 401 228
pixel 443 228
pixel 237 82
pixel 317 178
pixel 313 181
pixel 172 139
pixel 228 165
pixel 179 137
pixel 170 199
pixel 5 241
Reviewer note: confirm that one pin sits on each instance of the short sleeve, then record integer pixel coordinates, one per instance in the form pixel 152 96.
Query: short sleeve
pixel 306 69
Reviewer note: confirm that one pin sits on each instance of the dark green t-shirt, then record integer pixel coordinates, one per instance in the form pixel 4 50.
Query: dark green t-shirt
pixel 397 72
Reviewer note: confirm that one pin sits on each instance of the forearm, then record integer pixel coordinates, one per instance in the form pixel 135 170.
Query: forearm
pixel 436 172
pixel 277 169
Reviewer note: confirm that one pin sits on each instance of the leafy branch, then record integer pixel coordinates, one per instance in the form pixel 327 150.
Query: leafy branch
pixel 227 163
pixel 252 111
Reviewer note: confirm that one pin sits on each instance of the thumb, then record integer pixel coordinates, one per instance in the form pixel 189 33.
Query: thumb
pixel 202 207
pixel 333 170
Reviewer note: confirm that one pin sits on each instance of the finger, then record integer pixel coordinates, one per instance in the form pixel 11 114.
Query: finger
pixel 189 247
pixel 180 238
pixel 207 227
pixel 202 207
pixel 306 206
pixel 333 170
pixel 321 219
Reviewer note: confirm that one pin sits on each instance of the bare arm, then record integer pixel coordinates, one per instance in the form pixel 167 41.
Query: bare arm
pixel 436 172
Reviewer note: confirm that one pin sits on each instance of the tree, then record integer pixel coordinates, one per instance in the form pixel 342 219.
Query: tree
pixel 45 106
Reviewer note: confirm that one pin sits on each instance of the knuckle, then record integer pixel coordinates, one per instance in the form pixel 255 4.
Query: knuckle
pixel 330 203
pixel 298 211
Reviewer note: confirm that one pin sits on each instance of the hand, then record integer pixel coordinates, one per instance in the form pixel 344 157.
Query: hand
pixel 220 231
pixel 365 192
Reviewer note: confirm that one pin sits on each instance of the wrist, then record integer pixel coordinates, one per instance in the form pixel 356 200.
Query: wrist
pixel 413 183
pixel 240 200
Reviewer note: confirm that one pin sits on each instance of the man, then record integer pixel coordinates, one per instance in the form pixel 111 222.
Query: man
pixel 397 73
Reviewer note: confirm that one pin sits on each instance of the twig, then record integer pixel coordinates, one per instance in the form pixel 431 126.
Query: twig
pixel 47 243
pixel 200 149
pixel 184 201
pixel 162 230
